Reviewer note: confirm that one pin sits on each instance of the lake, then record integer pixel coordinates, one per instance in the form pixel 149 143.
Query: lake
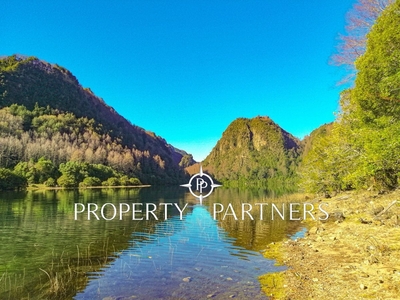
pixel 45 253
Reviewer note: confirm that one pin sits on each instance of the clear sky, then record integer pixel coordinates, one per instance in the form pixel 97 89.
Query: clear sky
pixel 186 69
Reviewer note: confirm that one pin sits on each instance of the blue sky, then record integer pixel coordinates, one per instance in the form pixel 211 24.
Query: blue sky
pixel 186 69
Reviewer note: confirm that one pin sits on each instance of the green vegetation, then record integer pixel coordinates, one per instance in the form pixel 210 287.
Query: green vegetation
pixel 255 152
pixel 90 181
pixel 45 146
pixel 54 132
pixel 45 143
pixel 44 112
pixel 10 180
pixel 50 182
pixel 362 150
pixel 38 172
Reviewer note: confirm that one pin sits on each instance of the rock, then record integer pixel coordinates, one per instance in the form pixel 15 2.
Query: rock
pixel 232 296
pixel 198 269
pixel 373 260
pixel 363 221
pixel 378 209
pixel 229 279
pixel 187 279
pixel 313 230
pixel 338 216
pixel 210 295
pixel 344 197
pixel 363 287
pixel 315 279
pixel 394 220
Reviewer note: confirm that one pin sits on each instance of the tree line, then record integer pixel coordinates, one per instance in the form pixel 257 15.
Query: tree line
pixel 45 145
pixel 361 149
pixel 58 119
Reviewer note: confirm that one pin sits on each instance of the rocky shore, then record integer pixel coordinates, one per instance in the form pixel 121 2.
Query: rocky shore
pixel 354 255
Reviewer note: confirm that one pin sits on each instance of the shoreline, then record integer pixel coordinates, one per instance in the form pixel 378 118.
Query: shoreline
pixel 40 187
pixel 355 254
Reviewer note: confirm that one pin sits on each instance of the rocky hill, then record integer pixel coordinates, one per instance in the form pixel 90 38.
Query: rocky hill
pixel 255 152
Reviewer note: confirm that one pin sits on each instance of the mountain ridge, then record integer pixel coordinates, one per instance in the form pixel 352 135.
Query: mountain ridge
pixel 32 82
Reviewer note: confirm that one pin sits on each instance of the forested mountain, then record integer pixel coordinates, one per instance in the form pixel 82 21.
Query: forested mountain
pixel 255 152
pixel 47 113
pixel 53 130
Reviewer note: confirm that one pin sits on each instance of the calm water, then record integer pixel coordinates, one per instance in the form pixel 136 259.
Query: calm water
pixel 46 254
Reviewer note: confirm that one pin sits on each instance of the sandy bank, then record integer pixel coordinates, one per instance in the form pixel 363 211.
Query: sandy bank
pixel 355 255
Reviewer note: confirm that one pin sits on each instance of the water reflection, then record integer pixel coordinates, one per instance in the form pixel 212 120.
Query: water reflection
pixel 184 259
pixel 254 234
pixel 46 254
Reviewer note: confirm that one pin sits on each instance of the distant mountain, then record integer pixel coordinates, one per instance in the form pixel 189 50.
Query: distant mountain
pixel 255 152
pixel 32 83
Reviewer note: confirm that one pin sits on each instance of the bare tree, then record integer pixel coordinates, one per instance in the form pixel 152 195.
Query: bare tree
pixel 359 22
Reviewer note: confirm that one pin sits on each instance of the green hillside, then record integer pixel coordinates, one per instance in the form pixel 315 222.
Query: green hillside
pixel 60 120
pixel 255 152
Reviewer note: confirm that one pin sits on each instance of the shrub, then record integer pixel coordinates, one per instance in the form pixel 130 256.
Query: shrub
pixel 112 181
pixel 66 181
pixel 10 181
pixel 50 182
pixel 134 181
pixel 124 180
pixel 90 181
